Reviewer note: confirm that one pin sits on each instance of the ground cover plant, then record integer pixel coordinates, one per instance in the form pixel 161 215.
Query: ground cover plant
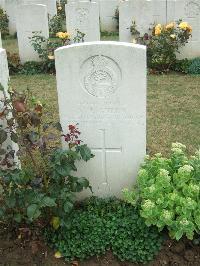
pixel 168 192
pixel 99 225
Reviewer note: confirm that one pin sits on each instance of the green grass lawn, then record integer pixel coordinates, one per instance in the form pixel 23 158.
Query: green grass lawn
pixel 173 104
pixel 173 107
pixel 12 47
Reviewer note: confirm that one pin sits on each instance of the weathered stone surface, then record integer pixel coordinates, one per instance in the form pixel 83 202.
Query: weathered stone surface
pixel 102 86
pixel 0 41
pixel 83 16
pixel 30 18
pixel 189 11
pixel 8 145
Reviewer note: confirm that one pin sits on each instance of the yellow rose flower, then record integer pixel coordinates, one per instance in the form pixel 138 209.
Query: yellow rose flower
pixel 158 29
pixel 51 57
pixel 63 35
pixel 59 8
pixel 173 36
pixel 183 25
pixel 170 26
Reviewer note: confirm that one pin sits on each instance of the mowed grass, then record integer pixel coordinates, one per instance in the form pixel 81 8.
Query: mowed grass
pixel 11 44
pixel 173 107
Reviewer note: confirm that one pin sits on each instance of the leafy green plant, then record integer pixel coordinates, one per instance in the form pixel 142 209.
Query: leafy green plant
pixel 46 47
pixel 55 25
pixel 116 17
pixel 45 185
pixel 167 191
pixel 181 65
pixel 163 43
pixel 102 224
pixel 194 67
pixel 14 63
pixel 61 9
pixel 4 23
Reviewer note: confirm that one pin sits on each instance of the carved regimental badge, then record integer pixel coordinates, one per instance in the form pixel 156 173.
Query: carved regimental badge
pixel 192 8
pixel 100 76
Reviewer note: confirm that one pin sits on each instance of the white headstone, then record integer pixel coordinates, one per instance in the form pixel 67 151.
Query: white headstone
pixel 83 16
pixel 30 18
pixel 144 13
pixel 2 4
pixel 51 5
pixel 107 13
pixel 10 7
pixel 189 11
pixel 4 78
pixel 102 86
pixel 0 41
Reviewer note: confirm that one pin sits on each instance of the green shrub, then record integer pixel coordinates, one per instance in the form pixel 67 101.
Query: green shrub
pixel 100 225
pixel 181 66
pixel 14 64
pixel 55 25
pixel 45 47
pixel 163 43
pixel 194 67
pixel 168 191
pixel 32 68
pixel 3 23
pixel 45 185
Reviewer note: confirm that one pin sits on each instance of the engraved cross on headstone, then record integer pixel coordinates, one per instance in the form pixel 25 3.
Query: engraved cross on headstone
pixel 104 150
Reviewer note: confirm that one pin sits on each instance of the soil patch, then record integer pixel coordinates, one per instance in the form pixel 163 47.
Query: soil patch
pixel 14 252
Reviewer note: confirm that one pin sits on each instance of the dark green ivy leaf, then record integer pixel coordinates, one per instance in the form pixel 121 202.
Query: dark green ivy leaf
pixel 3 136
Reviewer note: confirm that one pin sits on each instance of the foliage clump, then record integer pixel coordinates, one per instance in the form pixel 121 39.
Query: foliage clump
pixel 168 192
pixel 4 23
pixel 103 224
pixel 194 67
pixel 45 185
pixel 45 47
pixel 163 43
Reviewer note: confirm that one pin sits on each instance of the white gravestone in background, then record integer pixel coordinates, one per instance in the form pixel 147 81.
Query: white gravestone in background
pixel 51 5
pixel 102 86
pixel 10 7
pixel 107 13
pixel 4 78
pixel 2 4
pixel 145 13
pixel 83 16
pixel 0 41
pixel 189 11
pixel 30 18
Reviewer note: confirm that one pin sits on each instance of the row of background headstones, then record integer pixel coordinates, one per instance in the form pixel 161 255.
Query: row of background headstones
pixel 107 11
pixel 84 16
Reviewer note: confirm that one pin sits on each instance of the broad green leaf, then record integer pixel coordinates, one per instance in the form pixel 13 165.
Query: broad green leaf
pixel 68 206
pixel 48 202
pixel 18 218
pixel 85 152
pixel 14 137
pixel 3 136
pixel 33 211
